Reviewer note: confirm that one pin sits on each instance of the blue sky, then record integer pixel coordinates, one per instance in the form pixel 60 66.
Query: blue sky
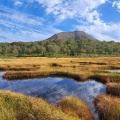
pixel 33 20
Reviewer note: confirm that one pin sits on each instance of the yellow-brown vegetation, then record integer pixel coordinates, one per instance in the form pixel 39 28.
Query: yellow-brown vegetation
pixel 108 107
pixel 15 106
pixel 75 107
pixel 113 89
pixel 80 68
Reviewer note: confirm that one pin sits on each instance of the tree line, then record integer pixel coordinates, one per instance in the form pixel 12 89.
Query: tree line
pixel 60 48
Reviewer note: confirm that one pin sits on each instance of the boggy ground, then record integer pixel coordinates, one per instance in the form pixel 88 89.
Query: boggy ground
pixel 75 107
pixel 78 68
pixel 15 106
pixel 108 107
pixel 113 88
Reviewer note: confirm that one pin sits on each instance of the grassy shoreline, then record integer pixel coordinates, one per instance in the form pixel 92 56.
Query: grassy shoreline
pixel 75 107
pixel 15 106
pixel 79 69
pixel 113 89
pixel 108 107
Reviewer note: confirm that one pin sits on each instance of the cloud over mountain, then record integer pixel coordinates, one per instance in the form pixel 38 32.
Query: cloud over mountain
pixel 39 19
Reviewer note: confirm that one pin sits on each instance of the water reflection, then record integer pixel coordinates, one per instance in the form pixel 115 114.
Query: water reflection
pixel 118 71
pixel 54 89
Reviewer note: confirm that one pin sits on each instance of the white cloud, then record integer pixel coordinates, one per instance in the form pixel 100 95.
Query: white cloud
pixel 17 3
pixel 34 27
pixel 16 26
pixel 63 9
pixel 26 35
pixel 17 17
pixel 116 4
pixel 102 31
pixel 85 12
pixel 50 3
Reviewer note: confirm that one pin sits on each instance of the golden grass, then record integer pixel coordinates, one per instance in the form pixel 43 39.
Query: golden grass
pixel 85 67
pixel 15 106
pixel 12 75
pixel 75 107
pixel 77 68
pixel 108 107
pixel 113 89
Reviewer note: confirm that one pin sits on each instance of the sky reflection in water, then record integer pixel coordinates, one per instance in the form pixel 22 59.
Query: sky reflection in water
pixel 54 89
pixel 117 71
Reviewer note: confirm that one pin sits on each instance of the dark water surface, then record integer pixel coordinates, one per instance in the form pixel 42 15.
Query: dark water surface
pixel 53 89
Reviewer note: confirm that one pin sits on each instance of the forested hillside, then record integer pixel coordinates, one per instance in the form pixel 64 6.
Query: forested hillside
pixel 60 48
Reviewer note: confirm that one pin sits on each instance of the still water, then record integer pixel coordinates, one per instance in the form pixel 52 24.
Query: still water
pixel 53 89
pixel 117 71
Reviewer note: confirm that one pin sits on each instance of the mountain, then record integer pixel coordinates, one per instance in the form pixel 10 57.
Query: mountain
pixel 65 44
pixel 76 35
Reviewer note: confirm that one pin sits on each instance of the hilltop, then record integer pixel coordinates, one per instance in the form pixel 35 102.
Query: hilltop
pixel 76 35
pixel 65 44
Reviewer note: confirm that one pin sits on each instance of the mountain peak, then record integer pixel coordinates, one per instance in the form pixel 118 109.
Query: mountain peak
pixel 75 35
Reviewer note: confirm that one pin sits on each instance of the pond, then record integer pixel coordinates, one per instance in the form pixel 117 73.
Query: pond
pixel 53 89
pixel 117 71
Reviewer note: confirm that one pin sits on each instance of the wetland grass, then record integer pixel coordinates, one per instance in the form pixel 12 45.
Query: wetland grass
pixel 113 89
pixel 38 74
pixel 75 107
pixel 70 67
pixel 80 69
pixel 15 106
pixel 108 107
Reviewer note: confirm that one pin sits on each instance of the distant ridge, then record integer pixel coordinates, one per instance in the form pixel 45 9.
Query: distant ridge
pixel 76 35
pixel 65 44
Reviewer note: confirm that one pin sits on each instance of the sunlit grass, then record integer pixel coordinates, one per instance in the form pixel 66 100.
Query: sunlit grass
pixel 36 67
pixel 108 107
pixel 80 69
pixel 75 107
pixel 15 106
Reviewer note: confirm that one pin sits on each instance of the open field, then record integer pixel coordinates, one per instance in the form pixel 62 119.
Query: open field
pixel 80 69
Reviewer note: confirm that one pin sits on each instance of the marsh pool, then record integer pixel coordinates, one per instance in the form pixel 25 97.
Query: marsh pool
pixel 53 89
pixel 117 71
